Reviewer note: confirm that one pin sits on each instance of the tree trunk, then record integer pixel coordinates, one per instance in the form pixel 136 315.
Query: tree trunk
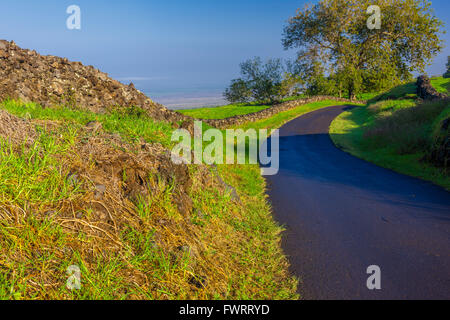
pixel 351 92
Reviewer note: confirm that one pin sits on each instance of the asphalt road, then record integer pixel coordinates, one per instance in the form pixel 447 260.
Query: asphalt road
pixel 343 214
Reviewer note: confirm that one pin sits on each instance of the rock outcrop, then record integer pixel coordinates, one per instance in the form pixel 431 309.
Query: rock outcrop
pixel 51 80
pixel 426 91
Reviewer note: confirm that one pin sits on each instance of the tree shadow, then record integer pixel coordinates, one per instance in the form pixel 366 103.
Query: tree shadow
pixel 313 160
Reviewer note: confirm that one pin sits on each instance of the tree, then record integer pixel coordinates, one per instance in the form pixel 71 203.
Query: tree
pixel 335 33
pixel 447 74
pixel 260 81
pixel 264 79
pixel 238 92
pixel 294 81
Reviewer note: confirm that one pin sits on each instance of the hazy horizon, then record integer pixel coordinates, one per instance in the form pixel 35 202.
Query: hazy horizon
pixel 169 50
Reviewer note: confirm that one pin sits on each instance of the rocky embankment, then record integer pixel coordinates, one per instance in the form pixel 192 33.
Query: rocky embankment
pixel 426 91
pixel 51 80
pixel 440 150
pixel 269 112
pixel 80 193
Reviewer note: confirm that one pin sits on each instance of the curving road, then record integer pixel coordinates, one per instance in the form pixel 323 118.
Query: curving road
pixel 343 214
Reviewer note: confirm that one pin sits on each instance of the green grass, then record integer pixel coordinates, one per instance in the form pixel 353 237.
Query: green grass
pixel 223 111
pixel 367 96
pixel 441 84
pixel 231 110
pixel 236 251
pixel 404 91
pixel 281 118
pixel 34 174
pixel 131 123
pixel 394 134
pixel 39 199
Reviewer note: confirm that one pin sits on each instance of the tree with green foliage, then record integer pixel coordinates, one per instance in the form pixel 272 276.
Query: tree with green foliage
pixel 262 81
pixel 294 82
pixel 335 33
pixel 238 92
pixel 447 74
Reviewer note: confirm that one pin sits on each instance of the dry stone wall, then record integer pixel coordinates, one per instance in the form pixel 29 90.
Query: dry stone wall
pixel 269 112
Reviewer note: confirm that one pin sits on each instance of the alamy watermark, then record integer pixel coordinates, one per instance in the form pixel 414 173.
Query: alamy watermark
pixel 374 21
pixel 73 22
pixel 237 146
pixel 374 281
pixel 74 280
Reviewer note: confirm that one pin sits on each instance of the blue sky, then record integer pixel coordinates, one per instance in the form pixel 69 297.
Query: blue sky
pixel 163 45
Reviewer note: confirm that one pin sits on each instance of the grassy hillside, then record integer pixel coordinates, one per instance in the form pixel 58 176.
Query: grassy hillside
pixel 60 206
pixel 441 84
pixel 281 118
pixel 393 131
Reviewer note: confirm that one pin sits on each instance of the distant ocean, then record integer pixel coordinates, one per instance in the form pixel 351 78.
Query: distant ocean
pixel 179 93
pixel 186 100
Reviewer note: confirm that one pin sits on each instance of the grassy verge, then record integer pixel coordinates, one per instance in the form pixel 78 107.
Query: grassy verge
pixel 130 123
pixel 281 118
pixel 231 110
pixel 48 221
pixel 226 249
pixel 223 111
pixel 395 134
pixel 441 84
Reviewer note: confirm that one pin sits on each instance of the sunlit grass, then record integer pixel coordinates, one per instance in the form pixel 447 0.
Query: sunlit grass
pixel 131 123
pixel 233 248
pixel 395 134
pixel 223 111
pixel 441 84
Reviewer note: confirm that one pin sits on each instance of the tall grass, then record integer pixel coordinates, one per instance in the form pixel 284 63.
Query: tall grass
pixel 132 123
pixel 223 249
pixel 396 134
pixel 407 129
pixel 441 84
pixel 35 174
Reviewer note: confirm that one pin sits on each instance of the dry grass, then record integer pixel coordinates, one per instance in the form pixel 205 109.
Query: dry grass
pixel 138 226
